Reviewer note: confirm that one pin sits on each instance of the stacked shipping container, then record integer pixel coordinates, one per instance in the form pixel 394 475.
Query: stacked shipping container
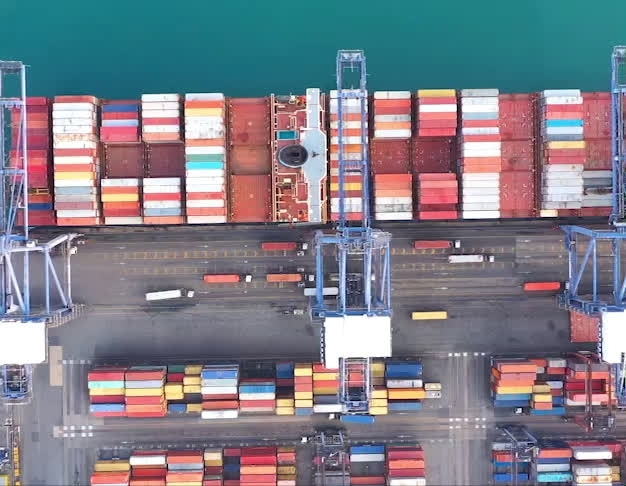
pixel 379 404
pixel 185 468
pixel 149 466
pixel 106 392
pixel 258 466
pixel 437 113
pixel 219 391
pixel 257 395
pixel 392 114
pixel 40 187
pixel 121 201
pixel 438 196
pixel 162 200
pixel 285 400
pixel 353 151
pixel 575 383
pixel 326 387
pixel 393 197
pixel 287 472
pixel 160 117
pixel 205 155
pixel 481 153
pixel 303 388
pixel 563 156
pixel 120 122
pixel 192 387
pixel 509 468
pixel 406 466
pixel 76 161
pixel 144 391
pixel 552 462
pixel 405 389
pixel 367 465
pixel 213 467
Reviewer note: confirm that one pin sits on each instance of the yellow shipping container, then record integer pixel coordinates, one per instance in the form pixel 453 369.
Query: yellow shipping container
pixel 193 369
pixel 406 393
pixel 541 388
pixel 192 380
pixel 616 478
pixel 194 407
pixel 175 396
pixel 378 402
pixel 303 396
pixel 567 145
pixel 513 390
pixel 284 402
pixel 325 376
pixel 90 176
pixel 112 466
pixel 204 112
pixel 173 388
pixel 213 462
pixel 192 389
pixel 379 410
pixel 285 411
pixel 349 186
pixel 303 371
pixel 120 197
pixel 212 453
pixel 615 469
pixel 378 369
pixel 106 392
pixel 379 393
pixel 304 403
pixel 319 390
pixel 286 470
pixel 542 398
pixel 435 93
pixel 287 477
pixel 144 392
pixel 429 316
pixel 286 449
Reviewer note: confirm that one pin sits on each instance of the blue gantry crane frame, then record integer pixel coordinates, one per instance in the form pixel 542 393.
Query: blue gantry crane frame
pixel 365 288
pixel 594 303
pixel 15 300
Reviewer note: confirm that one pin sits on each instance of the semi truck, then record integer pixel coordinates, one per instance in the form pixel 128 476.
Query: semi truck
pixel 226 278
pixel 169 294
pixel 471 258
pixel 326 291
pixel 436 244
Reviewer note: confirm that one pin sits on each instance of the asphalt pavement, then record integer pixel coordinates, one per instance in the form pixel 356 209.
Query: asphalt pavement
pixel 488 313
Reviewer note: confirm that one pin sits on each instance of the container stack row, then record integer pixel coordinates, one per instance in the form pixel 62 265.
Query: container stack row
pixel 257 395
pixel 287 469
pixel 438 196
pixel 564 154
pixel 353 151
pixel 392 114
pixel 405 388
pixel 76 160
pixel 393 197
pixel 303 388
pixel 162 200
pixel 507 467
pixel 285 399
pixel 575 383
pixel 205 155
pixel 258 466
pixel 40 187
pixel 120 122
pixel 160 117
pixel 326 389
pixel 144 391
pixel 552 462
pixel 185 468
pixel 480 161
pixel 106 392
pixel 406 466
pixel 121 201
pixel 379 404
pixel 592 465
pixel 436 113
pixel 213 467
pixel 220 397
pixel 367 464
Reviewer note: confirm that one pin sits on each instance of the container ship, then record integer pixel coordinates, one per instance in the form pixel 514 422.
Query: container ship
pixel 205 158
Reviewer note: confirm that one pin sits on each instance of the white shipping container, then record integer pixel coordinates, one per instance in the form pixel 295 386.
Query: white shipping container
pixel 480 131
pixel 205 203
pixel 553 468
pixel 161 181
pixel 73 137
pixel 285 482
pixel 548 213
pixel 480 206
pixel 78 213
pixel 597 174
pixel 89 107
pixel 478 191
pixel 480 214
pixel 367 457
pixel 214 173
pixel 576 168
pixel 392 95
pixel 78 129
pixel 479 100
pixel 466 108
pixel 160 105
pixel 562 100
pixel 346 140
pixel 334 93
pixel 481 153
pixel 219 382
pixel 161 129
pixel 480 176
pixel 328 408
pixel 392 118
pixel 466 93
pixel 405 383
pixel 220 414
pixel 591 469
pixel 206 219
pixel 161 204
pixel 562 205
pixel 68 122
pixel 563 131
pixel 204 97
pixel 392 133
pixel 75 144
pixel 444 108
pixel 219 390
pixel 74 183
pixel 119 182
pixel 481 199
pixel 596 203
pixel 173 114
pixel 59 117
pixel 160 97
pixel 349 125
pixel 396 216
pixel 555 385
pixel 432 386
pixel 161 189
pixel 393 200
pixel 481 145
pixel 76 159
pixel 407 482
pixel 205 150
pixel 560 92
pixel 123 220
pixel 256 396
pixel 334 156
pixel 155 460
pixel 210 188
pixel 212 120
pixel 208 134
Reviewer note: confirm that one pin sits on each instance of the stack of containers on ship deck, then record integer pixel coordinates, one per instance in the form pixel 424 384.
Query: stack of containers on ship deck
pixel 563 157
pixel 121 201
pixel 548 396
pixel 162 200
pixel 258 466
pixel 481 153
pixel 287 471
pixel 160 117
pixel 552 462
pixel 120 122
pixel 219 391
pixel 353 151
pixel 367 465
pixel 406 465
pixel 601 381
pixel 438 196
pixel 392 114
pixel 144 391
pixel 597 173
pixel 379 404
pixel 285 400
pixel 437 113
pixel 106 392
pixel 257 395
pixel 393 197
pixel 213 467
pixel 326 390
pixel 205 155
pixel 592 464
pixel 232 466
pixel 512 382
pixel 405 389
pixel 185 468
pixel 192 388
pixel 505 463
pixel 303 388
pixel 40 187
pixel 76 161
pixel 148 466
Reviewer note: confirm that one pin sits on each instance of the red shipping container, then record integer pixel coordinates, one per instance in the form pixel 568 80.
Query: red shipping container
pixel 258 451
pixel 405 464
pixel 518 155
pixel 598 154
pixel 119 134
pixel 517 194
pixel 120 115
pixel 110 477
pixel 232 452
pixel 144 375
pixel 165 159
pixel 434 155
pixel 213 470
pixel 516 117
pixel 597 115
pixel 433 100
pixel 397 453
pixel 106 399
pixel 439 215
pixel 220 404
pixel 165 196
pixel 175 377
pixel 213 482
pixel 161 121
pixel 109 414
pixel 144 400
pixel 365 480
pixel 76 99
pixel 406 473
pixel 258 478
pixel 232 396
pixel 584 329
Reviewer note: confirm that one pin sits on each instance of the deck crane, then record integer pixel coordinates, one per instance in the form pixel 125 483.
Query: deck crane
pixel 21 324
pixel 357 324
pixel 610 307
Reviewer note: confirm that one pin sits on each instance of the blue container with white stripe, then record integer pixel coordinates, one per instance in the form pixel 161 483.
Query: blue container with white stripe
pixel 368 449
pixel 227 372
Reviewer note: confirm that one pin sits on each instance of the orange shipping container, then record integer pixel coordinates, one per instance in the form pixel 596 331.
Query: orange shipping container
pixel 257 470
pixel 517 367
pixel 284 277
pixel 406 464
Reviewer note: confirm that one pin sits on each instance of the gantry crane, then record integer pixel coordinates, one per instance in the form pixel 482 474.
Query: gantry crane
pixel 357 323
pixel 521 444
pixel 599 301
pixel 15 242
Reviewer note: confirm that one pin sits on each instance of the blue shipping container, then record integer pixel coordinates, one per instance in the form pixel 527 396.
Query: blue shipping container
pixel 405 370
pixel 219 374
pixel 177 407
pixel 554 411
pixel 40 206
pixel 257 388
pixel 554 477
pixel 404 406
pixel 558 401
pixel 107 407
pixel 205 166
pixel 573 122
pixel 358 419
pixel 511 403
pixel 120 108
pixel 301 411
pixel 513 396
pixel 120 123
pixel 367 449
pixel 553 460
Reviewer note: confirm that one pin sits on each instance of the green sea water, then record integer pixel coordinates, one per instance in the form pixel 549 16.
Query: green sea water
pixel 122 48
